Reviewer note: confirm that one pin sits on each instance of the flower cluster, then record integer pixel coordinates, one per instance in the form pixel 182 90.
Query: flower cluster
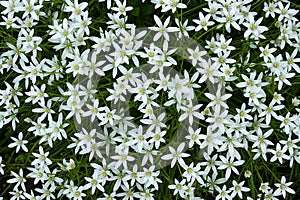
pixel 107 108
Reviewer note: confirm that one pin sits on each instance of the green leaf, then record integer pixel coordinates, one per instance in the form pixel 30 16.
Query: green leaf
pixel 147 10
pixel 136 12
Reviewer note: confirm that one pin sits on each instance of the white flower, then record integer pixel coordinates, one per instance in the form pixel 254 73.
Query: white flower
pixel 177 88
pixel 129 77
pixel 270 111
pixel 132 175
pixel 119 24
pixel 283 78
pixel 149 152
pixel 210 163
pixel 173 5
pixel 9 21
pixel 287 122
pixel 159 62
pixel 251 83
pixel 18 180
pixel 37 95
pixel 121 54
pixel 146 194
pixel 295 101
pixel 229 164
pixel 149 176
pixel 279 153
pixel 162 82
pixel 254 29
pixel 229 18
pixel 94 110
pixel 158 138
pixel 247 174
pixel 31 9
pixel 211 140
pixel 38 127
pixel 122 8
pixel 140 138
pixel 45 110
pixel 283 11
pixel 178 187
pixel 176 155
pixel 11 6
pixel 57 128
pixel 276 64
pixel 223 59
pixel 264 187
pixel 17 195
pixel 243 114
pixel 192 173
pixel 113 63
pixel 158 3
pixel 203 22
pixel 292 60
pixel 223 45
pixel 77 194
pixel 270 9
pixel 162 29
pixel 75 8
pixel 41 158
pixel 108 116
pixel 39 175
pixel 196 55
pixel 218 100
pixel 261 139
pixel 183 27
pixel 193 137
pixel 31 195
pixel 283 187
pixel 277 98
pixel 218 120
pixel 19 143
pixel 223 193
pixel 86 138
pixel 28 37
pixel 213 9
pixel 94 183
pixel 230 144
pixel 113 194
pixel 191 112
pixel 64 32
pixel 290 144
pixel 266 52
pixel 16 51
pixel 1 166
pixel 238 189
pixel 83 28
pixel 212 183
pixel 46 191
pixel 208 71
pixel 122 157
